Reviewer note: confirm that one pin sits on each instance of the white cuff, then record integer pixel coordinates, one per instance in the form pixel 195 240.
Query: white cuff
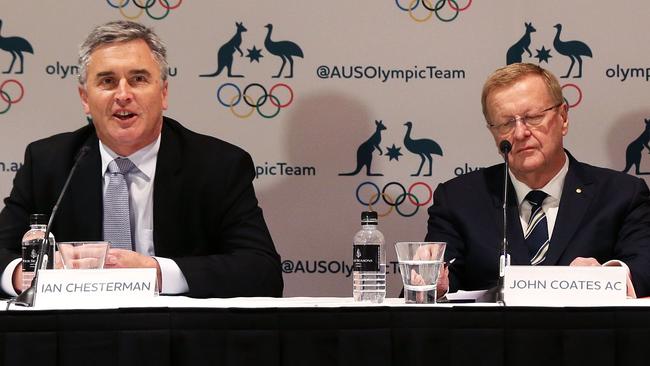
pixel 630 287
pixel 6 282
pixel 173 280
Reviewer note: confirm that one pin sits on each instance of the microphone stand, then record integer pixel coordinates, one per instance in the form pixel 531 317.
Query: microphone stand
pixel 27 297
pixel 504 259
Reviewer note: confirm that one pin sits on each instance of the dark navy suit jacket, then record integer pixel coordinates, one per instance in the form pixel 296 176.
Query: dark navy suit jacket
pixel 205 213
pixel 603 214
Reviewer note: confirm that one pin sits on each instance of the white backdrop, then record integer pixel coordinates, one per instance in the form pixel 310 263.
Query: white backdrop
pixel 363 61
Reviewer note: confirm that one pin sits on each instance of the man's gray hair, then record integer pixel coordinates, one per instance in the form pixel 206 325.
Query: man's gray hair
pixel 116 32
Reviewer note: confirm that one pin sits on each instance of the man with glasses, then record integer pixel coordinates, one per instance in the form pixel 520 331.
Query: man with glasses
pixel 560 211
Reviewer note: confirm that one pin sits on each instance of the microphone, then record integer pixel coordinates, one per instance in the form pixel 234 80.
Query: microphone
pixel 505 147
pixel 504 260
pixel 26 298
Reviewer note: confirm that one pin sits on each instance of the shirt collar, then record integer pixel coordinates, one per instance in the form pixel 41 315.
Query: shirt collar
pixel 144 159
pixel 553 188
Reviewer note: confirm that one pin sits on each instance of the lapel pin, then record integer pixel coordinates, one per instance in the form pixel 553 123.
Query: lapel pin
pixel 578 190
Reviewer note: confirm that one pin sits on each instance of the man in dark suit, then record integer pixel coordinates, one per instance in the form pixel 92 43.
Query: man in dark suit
pixel 193 213
pixel 586 215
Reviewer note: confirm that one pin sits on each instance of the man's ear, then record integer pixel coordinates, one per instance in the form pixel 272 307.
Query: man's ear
pixel 84 98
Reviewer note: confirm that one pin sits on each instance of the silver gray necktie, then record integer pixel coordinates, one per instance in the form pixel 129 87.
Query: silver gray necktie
pixel 117 222
pixel 536 236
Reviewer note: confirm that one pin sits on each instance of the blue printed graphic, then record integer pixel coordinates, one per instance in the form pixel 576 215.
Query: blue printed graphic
pixel 404 198
pixel 635 149
pixel 393 152
pixel 572 49
pixel 543 55
pixel 225 55
pixel 254 54
pixel 516 50
pixel 15 46
pixel 365 150
pixel 421 147
pixel 283 49
pixel 244 100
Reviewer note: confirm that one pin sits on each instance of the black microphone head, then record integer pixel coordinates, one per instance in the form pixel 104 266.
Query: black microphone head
pixel 505 146
pixel 82 152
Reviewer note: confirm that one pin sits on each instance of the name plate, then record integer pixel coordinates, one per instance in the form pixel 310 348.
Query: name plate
pixel 98 287
pixel 564 285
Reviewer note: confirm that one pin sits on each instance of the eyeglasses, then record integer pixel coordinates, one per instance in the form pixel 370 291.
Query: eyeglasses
pixel 530 121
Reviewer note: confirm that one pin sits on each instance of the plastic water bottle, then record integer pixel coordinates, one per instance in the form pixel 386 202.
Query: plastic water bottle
pixel 369 261
pixel 31 245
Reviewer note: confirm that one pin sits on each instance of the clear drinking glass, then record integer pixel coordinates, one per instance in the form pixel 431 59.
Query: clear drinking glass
pixel 420 264
pixel 82 254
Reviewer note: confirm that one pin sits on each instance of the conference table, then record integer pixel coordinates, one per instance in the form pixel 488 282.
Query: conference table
pixel 168 330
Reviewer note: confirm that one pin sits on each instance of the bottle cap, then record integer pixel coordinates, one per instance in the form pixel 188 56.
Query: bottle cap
pixel 38 219
pixel 369 216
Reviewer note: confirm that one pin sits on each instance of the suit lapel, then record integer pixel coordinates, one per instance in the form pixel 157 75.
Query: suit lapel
pixel 515 236
pixel 166 192
pixel 577 194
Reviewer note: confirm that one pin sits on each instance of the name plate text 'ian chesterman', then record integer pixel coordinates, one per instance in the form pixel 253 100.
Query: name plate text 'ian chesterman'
pixel 60 287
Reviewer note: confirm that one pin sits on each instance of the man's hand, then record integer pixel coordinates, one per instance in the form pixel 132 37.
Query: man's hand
pixel 585 262
pixel 443 281
pixel 427 252
pixel 122 258
pixel 17 278
pixel 581 261
pixel 441 287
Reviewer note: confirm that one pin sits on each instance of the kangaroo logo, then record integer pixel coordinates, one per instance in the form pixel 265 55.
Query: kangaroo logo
pixel 15 46
pixel 635 148
pixel 227 51
pixel 571 49
pixel 364 152
pixel 574 50
pixel 286 50
pixel 421 147
pixel 516 50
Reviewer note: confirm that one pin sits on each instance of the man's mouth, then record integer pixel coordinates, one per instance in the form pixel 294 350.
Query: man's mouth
pixel 525 150
pixel 124 115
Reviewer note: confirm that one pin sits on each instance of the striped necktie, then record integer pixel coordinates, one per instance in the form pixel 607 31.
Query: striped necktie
pixel 117 217
pixel 536 235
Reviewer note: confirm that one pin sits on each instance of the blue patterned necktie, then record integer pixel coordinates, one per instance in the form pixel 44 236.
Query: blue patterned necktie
pixel 117 217
pixel 536 235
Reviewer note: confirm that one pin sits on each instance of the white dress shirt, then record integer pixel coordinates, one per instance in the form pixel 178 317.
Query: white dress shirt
pixel 141 182
pixel 550 205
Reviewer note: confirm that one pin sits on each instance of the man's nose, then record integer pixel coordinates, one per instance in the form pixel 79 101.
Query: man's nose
pixel 123 94
pixel 521 128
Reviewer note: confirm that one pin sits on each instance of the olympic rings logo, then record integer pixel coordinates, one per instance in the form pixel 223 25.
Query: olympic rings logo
pixel 121 5
pixel 400 197
pixel 254 101
pixel 577 88
pixel 433 9
pixel 7 98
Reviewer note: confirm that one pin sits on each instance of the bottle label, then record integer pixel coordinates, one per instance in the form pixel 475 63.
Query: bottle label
pixel 30 254
pixel 365 257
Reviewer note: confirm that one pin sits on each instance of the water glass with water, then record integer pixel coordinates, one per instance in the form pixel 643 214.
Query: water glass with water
pixel 420 264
